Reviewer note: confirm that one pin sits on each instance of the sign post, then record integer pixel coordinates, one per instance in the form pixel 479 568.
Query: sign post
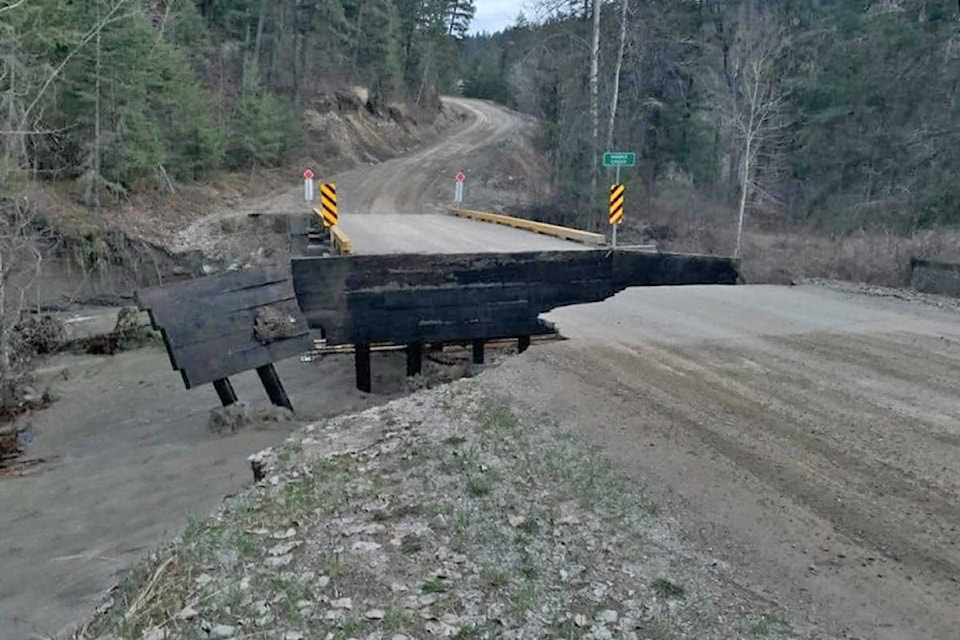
pixel 458 188
pixel 308 185
pixel 618 159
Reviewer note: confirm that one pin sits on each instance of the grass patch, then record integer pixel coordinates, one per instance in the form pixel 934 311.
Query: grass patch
pixel 493 577
pixel 499 418
pixel 767 623
pixel 436 585
pixel 666 588
pixel 480 486
pixel 518 502
pixel 523 599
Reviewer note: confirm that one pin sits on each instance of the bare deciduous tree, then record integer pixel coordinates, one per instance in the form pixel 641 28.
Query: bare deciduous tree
pixel 751 101
pixel 615 98
pixel 595 97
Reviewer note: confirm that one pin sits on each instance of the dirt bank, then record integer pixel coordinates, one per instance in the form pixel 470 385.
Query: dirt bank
pixel 445 514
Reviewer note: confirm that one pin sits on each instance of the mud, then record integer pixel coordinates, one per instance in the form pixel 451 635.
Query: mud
pixel 129 459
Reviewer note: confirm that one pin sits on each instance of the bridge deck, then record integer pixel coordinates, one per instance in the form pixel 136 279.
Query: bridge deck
pixel 421 233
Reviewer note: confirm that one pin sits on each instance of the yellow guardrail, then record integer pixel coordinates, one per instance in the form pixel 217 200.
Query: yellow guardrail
pixel 340 241
pixel 567 233
pixel 337 236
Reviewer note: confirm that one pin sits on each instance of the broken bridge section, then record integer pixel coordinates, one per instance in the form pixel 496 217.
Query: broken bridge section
pixel 417 299
pixel 218 326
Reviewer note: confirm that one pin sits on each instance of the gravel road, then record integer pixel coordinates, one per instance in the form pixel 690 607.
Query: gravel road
pixel 398 206
pixel 401 205
pixel 808 437
pixel 422 182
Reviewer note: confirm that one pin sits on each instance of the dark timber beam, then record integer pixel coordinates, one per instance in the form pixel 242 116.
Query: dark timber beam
pixel 478 352
pixel 273 386
pixel 523 343
pixel 459 298
pixel 414 358
pixel 361 356
pixel 225 391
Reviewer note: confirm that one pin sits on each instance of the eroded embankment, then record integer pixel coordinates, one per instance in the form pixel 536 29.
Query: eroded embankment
pixel 442 514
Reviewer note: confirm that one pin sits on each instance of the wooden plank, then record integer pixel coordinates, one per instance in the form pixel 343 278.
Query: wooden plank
pixel 361 356
pixel 450 297
pixel 200 366
pixel 181 313
pixel 274 388
pixel 225 391
pixel 203 329
pixel 340 241
pixel 313 275
pixel 200 288
pixel 632 269
pixel 934 264
pixel 208 324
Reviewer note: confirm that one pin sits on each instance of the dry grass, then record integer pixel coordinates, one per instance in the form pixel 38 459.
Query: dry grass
pixel 778 253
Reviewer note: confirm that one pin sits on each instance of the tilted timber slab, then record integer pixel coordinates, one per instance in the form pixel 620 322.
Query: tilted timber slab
pixel 454 297
pixel 209 324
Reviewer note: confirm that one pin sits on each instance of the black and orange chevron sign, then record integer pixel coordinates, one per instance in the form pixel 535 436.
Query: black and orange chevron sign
pixel 328 204
pixel 617 196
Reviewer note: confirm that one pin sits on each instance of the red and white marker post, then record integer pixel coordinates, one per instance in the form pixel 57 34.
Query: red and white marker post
pixel 308 176
pixel 458 191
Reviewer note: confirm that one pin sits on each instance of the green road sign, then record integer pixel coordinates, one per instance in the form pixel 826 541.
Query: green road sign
pixel 619 159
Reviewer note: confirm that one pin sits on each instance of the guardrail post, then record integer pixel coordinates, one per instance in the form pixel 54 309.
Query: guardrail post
pixel 478 352
pixel 271 382
pixel 225 391
pixel 361 357
pixel 414 358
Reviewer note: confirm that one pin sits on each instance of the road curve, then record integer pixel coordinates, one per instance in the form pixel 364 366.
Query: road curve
pixel 397 206
pixel 422 182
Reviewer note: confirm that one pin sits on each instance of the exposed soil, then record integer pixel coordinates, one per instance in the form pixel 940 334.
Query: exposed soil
pixel 791 461
pixel 444 514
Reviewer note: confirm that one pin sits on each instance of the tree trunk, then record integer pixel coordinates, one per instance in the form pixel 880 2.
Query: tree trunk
pixel 258 43
pixel 96 122
pixel 595 100
pixel 4 324
pixel 744 181
pixel 616 75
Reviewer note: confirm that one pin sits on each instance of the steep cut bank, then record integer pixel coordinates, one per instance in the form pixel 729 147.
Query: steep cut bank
pixel 105 254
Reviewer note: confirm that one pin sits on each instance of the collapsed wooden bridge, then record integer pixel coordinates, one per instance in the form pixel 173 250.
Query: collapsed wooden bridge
pixel 219 326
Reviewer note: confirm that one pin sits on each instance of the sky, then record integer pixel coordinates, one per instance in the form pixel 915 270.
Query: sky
pixel 494 15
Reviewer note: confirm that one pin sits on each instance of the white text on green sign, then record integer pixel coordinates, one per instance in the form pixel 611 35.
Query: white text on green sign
pixel 619 159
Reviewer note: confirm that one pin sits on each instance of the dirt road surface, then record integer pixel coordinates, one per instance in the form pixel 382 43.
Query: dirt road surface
pixel 810 438
pixel 423 182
